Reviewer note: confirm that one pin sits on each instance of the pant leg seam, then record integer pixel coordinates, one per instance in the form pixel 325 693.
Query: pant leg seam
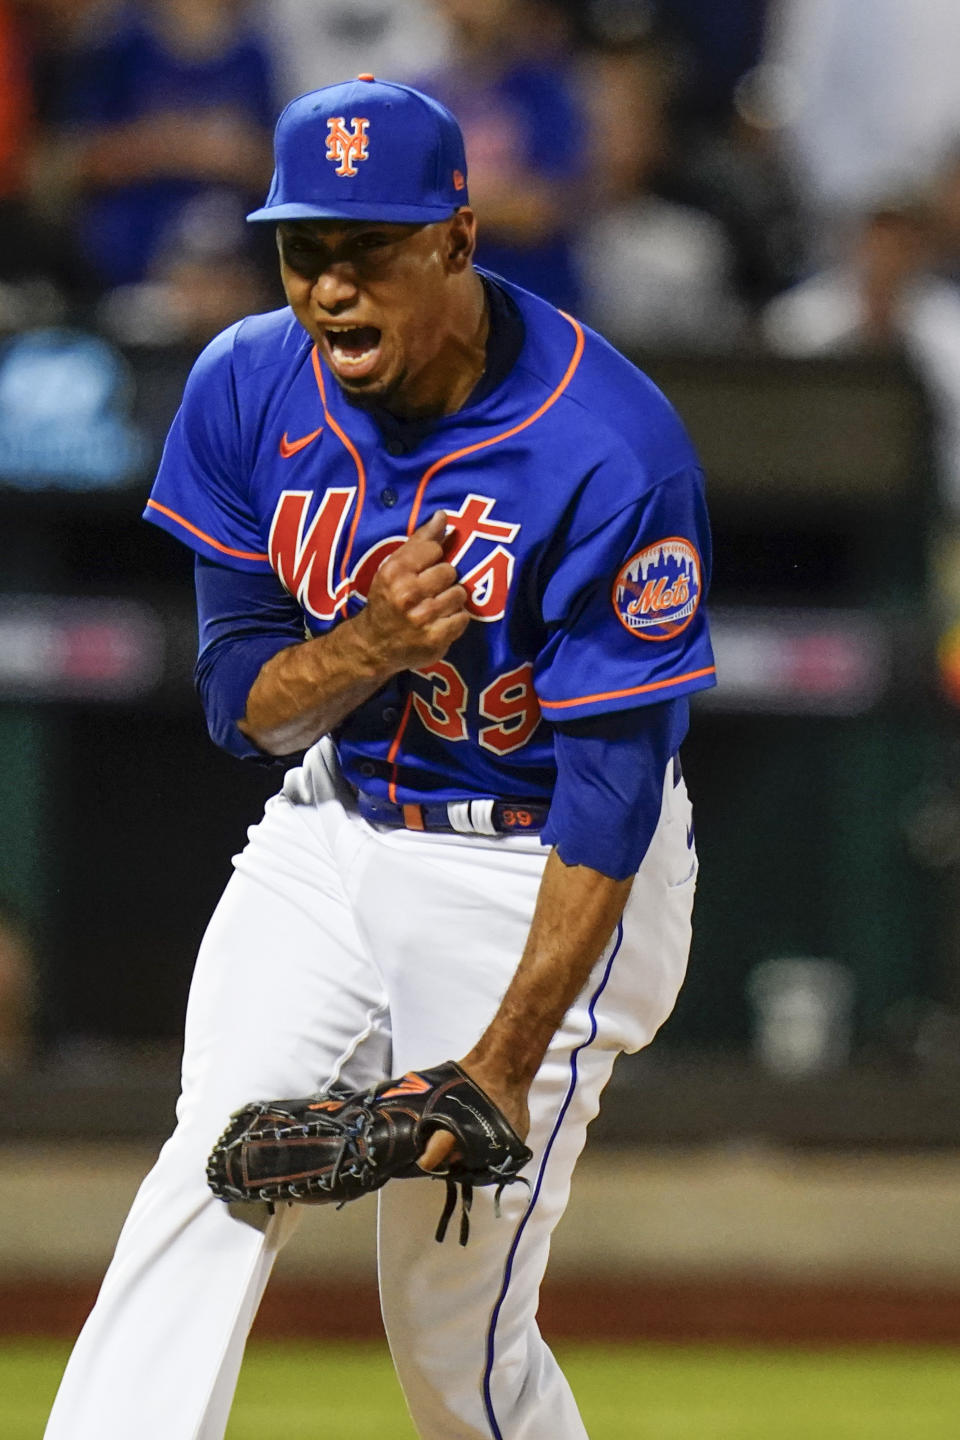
pixel 495 1430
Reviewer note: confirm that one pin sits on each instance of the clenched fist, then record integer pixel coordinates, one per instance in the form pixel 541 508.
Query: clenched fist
pixel 416 607
pixel 415 611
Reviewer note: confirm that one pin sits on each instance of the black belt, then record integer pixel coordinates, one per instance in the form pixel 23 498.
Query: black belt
pixel 458 817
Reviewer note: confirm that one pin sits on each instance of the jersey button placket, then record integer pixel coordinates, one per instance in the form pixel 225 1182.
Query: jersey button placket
pixel 388 497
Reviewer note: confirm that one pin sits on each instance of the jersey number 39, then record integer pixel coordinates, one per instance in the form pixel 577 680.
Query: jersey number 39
pixel 508 702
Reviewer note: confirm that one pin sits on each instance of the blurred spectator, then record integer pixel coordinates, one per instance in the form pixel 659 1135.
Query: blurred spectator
pixel 15 103
pixel 655 273
pixel 626 89
pixel 204 280
pixel 512 87
pixel 865 303
pixel 16 990
pixel 321 42
pixel 868 92
pixel 727 158
pixel 58 32
pixel 175 100
pixel 707 129
pixel 31 257
pixel 714 46
pixel 15 123
pixel 885 297
pixel 658 275
pixel 737 173
pixel 946 206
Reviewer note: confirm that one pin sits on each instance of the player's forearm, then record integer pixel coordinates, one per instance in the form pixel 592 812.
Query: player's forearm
pixel 305 691
pixel 576 913
pixel 415 610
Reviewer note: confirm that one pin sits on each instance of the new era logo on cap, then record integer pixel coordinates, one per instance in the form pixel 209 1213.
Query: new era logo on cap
pixel 366 150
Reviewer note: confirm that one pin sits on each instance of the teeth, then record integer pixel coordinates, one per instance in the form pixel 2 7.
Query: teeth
pixel 346 356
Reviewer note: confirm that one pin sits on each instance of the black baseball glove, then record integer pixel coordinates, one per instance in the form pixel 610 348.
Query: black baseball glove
pixel 340 1144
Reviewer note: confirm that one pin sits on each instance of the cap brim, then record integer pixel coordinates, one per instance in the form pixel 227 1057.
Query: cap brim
pixel 361 210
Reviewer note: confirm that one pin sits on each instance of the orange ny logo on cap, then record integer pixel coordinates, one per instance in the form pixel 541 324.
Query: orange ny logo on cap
pixel 347 146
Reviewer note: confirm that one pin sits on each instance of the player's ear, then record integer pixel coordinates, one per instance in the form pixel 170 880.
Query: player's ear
pixel 461 238
pixel 279 237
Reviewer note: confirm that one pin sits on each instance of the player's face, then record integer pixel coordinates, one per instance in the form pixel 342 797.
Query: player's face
pixel 374 297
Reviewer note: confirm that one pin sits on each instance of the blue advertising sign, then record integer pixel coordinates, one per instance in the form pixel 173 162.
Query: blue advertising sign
pixel 65 422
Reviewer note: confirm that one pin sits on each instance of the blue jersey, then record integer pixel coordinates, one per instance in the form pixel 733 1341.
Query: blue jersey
pixel 577 524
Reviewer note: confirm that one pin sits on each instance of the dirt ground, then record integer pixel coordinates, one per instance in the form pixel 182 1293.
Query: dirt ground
pixel 687 1243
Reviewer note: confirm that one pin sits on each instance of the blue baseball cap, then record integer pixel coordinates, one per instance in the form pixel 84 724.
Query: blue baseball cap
pixel 366 150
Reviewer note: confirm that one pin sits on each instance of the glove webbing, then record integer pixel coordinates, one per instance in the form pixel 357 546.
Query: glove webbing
pixel 348 1156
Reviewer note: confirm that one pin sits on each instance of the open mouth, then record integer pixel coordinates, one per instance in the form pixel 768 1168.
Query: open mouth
pixel 354 349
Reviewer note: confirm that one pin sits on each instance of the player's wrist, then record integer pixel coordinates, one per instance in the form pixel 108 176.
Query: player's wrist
pixel 503 1065
pixel 369 655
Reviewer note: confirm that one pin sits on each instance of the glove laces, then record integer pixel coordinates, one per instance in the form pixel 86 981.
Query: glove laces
pixel 465 1188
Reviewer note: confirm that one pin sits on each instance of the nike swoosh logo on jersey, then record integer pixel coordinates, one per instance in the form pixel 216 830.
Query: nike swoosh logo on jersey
pixel 291 447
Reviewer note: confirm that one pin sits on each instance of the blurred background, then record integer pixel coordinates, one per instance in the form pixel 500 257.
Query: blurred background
pixel 759 202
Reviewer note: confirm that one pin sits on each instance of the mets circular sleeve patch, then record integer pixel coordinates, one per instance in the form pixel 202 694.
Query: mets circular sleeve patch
pixel 657 591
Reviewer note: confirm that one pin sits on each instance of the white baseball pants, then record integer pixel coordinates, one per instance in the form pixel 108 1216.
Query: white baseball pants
pixel 344 951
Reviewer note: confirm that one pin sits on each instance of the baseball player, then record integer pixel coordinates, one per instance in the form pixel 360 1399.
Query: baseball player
pixel 451 555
